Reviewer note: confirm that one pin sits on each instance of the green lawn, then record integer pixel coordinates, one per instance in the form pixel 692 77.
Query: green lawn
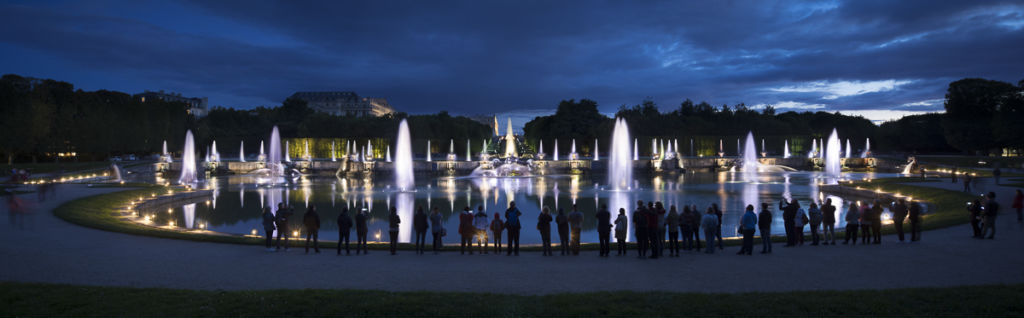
pixel 47 300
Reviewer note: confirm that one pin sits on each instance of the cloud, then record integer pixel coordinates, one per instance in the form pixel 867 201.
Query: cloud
pixel 834 90
pixel 791 105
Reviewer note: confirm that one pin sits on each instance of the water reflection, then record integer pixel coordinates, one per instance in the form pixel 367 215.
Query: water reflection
pixel 237 214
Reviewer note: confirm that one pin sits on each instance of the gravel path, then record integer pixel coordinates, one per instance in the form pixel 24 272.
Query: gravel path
pixel 53 251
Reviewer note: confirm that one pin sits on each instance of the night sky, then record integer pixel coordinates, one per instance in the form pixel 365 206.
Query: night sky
pixel 880 59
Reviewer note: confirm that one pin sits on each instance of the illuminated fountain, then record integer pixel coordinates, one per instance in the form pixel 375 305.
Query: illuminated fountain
pixel 334 156
pixel 597 156
pixel 620 170
pixel 750 164
pixel 404 179
pixel 867 148
pixel 847 148
pixel 832 160
pixel 814 148
pixel 510 142
pixel 241 151
pixel 785 149
pixel 188 161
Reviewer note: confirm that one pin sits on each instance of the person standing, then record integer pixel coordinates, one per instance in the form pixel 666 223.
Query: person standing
pixel 852 223
pixel 816 218
pixel 481 224
pixel 991 210
pixel 764 224
pixel 652 231
pixel 915 222
pixel 282 225
pixel 640 228
pixel 312 222
pixel 662 222
pixel 967 182
pixel 695 226
pixel 436 229
pixel 604 229
pixel 748 224
pixel 562 222
pixel 865 223
pixel 393 221
pixel 799 220
pixel 344 227
pixel 996 173
pixel 788 213
pixel 466 230
pixel 974 212
pixel 899 214
pixel 497 226
pixel 828 213
pixel 544 226
pixel 876 222
pixel 710 223
pixel 419 224
pixel 512 224
pixel 621 227
pixel 686 228
pixel 718 231
pixel 575 229
pixel 268 226
pixel 1018 205
pixel 361 231
pixel 672 221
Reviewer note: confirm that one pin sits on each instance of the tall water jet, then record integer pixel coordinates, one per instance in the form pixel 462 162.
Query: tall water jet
pixel 334 156
pixel 369 150
pixel 597 156
pixel 814 148
pixel 214 154
pixel 404 180
pixel 263 155
pixel 387 154
pixel 675 145
pixel 821 151
pixel 832 167
pixel 654 148
pixel 785 149
pixel 691 148
pixel 620 166
pixel 636 149
pixel 469 154
pixel 510 141
pixel 188 161
pixel 750 164
pixel 847 148
pixel 764 151
pixel 307 155
pixel 241 151
pixel 287 152
pixel 165 148
pixel 540 150
pixel 274 156
pixel 451 150
pixel 721 148
pixel 428 150
pixel 555 153
pixel 572 150
pixel 867 148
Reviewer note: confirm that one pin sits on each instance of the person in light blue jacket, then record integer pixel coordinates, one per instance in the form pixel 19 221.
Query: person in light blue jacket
pixel 710 224
pixel 748 224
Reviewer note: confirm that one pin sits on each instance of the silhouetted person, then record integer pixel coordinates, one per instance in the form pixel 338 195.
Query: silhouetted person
pixel 654 243
pixel 361 230
pixel 865 223
pixel 419 224
pixel 748 224
pixel 640 228
pixel 695 224
pixel 466 230
pixel 672 221
pixel 686 227
pixel 268 226
pixel 899 214
pixel 828 221
pixel 718 229
pixel 996 173
pixel 393 221
pixel 915 222
pixel 575 229
pixel 312 222
pixel 544 227
pixel 480 223
pixel 497 226
pixel 512 224
pixel 282 225
pixel 974 212
pixel 764 224
pixel 436 229
pixel 991 210
pixel 814 213
pixel 852 223
pixel 661 221
pixel 344 228
pixel 710 223
pixel 604 229
pixel 799 220
pixel 876 222
pixel 621 228
pixel 788 213
pixel 967 182
pixel 562 222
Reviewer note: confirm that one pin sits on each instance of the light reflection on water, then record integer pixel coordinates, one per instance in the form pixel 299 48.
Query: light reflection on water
pixel 240 214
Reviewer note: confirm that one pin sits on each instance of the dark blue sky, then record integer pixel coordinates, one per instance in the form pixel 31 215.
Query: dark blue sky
pixel 881 59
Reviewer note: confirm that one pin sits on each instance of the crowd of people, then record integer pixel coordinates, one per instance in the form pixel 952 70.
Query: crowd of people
pixel 655 228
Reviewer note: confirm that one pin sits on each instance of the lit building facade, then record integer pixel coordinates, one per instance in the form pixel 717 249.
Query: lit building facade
pixel 345 103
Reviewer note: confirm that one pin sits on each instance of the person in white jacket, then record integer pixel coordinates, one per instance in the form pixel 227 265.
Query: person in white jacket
pixel 798 225
pixel 710 224
pixel 480 222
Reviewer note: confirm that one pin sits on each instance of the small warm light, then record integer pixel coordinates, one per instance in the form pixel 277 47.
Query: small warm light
pixel 202 226
pixel 140 199
pixel 122 181
pixel 146 219
pixel 152 194
pixel 253 232
pixel 295 233
pixel 170 210
pixel 910 198
pixel 207 202
pixel 171 223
